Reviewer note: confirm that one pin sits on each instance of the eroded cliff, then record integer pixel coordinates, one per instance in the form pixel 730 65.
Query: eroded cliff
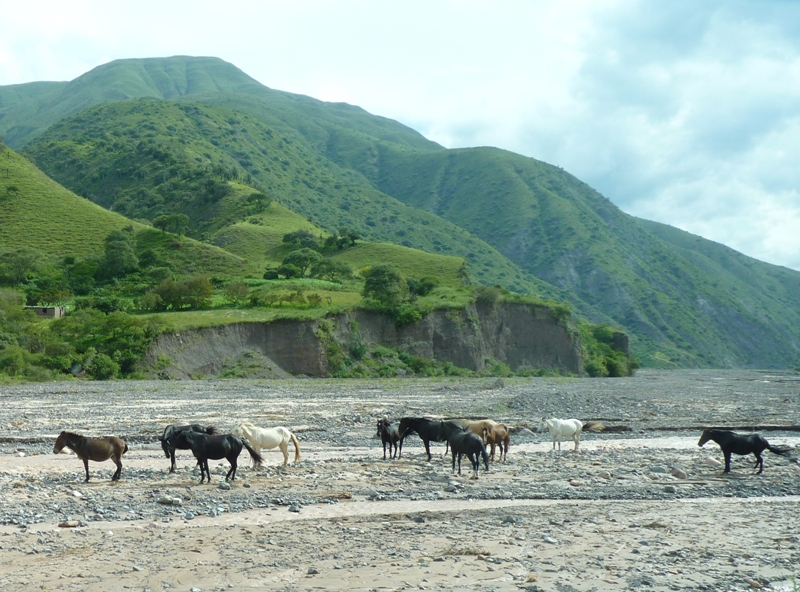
pixel 522 336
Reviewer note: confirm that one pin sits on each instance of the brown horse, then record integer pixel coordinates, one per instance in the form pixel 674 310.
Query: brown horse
pixel 498 435
pixel 96 449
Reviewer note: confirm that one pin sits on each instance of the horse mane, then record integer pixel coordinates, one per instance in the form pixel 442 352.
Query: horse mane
pixel 212 431
pixel 67 433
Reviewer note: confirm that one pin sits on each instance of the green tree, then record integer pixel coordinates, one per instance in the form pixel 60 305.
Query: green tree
pixel 385 284
pixel 303 259
pixel 304 238
pixel 17 265
pixel 331 270
pixel 258 201
pixel 120 254
pixel 175 223
pixel 237 292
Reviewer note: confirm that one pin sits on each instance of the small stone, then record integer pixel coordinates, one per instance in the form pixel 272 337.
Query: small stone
pixel 69 524
pixel 678 473
pixel 658 469
pixel 670 489
pixel 312 571
pixel 574 482
pixel 224 485
pixel 294 508
pixel 166 501
pixel 604 475
pixel 550 540
pixel 137 568
pixel 711 462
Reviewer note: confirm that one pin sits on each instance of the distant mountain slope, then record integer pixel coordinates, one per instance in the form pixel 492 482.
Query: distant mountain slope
pixel 192 78
pixel 681 309
pixel 521 223
pixel 144 158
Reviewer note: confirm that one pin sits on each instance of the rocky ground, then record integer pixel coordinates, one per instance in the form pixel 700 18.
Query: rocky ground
pixel 639 505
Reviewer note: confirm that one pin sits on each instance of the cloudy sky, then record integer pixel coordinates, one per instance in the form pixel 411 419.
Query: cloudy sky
pixel 683 112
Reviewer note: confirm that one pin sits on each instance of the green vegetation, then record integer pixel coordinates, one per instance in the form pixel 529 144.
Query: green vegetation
pixel 248 166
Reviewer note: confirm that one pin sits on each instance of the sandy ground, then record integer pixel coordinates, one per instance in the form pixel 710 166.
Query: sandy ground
pixel 541 521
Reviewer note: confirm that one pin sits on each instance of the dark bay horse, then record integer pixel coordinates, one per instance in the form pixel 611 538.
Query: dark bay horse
pixel 388 435
pixel 205 447
pixel 465 442
pixel 733 443
pixel 169 441
pixel 429 430
pixel 94 449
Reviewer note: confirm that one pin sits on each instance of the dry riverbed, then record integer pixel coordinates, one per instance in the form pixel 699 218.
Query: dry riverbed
pixel 639 506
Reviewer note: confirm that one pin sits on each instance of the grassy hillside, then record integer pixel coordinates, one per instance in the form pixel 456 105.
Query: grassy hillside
pixel 38 213
pixel 145 158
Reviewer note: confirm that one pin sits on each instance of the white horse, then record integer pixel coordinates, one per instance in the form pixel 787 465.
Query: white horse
pixel 268 438
pixel 561 428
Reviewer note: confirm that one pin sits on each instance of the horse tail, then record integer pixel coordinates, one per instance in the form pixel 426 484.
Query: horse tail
pixel 257 458
pixel 485 456
pixel 296 446
pixel 593 426
pixel 781 450
pixel 126 449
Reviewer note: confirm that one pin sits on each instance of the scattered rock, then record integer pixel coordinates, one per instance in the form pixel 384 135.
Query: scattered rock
pixel 679 473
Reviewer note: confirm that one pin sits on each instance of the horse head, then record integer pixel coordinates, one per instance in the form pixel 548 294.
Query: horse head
pixel 543 425
pixel 704 438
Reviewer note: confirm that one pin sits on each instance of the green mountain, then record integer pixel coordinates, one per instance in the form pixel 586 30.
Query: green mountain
pixel 520 223
pixel 144 158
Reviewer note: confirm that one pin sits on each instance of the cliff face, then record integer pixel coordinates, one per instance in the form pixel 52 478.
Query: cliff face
pixel 519 335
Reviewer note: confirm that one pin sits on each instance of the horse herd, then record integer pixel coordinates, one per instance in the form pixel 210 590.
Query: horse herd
pixel 463 437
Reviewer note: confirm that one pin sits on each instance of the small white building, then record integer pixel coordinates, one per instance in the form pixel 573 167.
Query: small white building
pixel 47 312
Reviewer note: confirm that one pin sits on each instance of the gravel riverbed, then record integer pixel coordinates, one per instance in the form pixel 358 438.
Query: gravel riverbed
pixel 640 505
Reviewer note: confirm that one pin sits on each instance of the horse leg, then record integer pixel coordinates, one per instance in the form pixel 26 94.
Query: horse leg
pixel 285 450
pixel 118 472
pixel 86 467
pixel 428 448
pixel 454 462
pixel 759 461
pixel 577 439
pixel 172 459
pixel 204 470
pixel 384 450
pixel 727 454
pixel 473 458
pixel 232 471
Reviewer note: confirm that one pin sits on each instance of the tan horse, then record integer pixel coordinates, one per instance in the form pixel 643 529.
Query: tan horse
pixel 498 435
pixel 269 438
pixel 94 449
pixel 477 426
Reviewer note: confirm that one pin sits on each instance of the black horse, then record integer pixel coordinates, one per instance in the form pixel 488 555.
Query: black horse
pixel 465 442
pixel 388 435
pixel 429 430
pixel 205 447
pixel 731 442
pixel 170 441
